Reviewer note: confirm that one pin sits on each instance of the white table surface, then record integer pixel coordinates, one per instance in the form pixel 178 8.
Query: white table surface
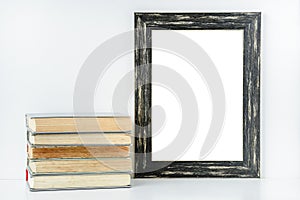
pixel 221 189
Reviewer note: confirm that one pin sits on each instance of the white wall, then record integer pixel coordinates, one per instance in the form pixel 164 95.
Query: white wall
pixel 44 43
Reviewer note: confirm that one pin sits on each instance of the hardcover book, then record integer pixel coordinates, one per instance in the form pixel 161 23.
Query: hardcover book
pixel 67 123
pixel 78 181
pixel 77 152
pixel 76 139
pixel 73 166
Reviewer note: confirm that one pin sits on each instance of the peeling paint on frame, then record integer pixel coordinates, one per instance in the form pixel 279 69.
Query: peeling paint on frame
pixel 250 22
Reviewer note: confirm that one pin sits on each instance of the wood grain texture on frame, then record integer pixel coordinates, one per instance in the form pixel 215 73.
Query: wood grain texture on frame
pixel 250 22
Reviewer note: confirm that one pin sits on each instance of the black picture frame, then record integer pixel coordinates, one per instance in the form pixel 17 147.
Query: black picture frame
pixel 250 22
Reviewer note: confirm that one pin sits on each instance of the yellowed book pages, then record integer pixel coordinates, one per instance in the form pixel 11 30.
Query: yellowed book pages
pixel 76 139
pixel 85 124
pixel 79 181
pixel 78 152
pixel 80 165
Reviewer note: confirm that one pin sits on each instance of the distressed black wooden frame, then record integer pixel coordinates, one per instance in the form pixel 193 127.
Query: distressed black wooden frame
pixel 250 22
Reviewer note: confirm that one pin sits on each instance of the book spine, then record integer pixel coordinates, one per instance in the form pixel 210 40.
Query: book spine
pixel 26 175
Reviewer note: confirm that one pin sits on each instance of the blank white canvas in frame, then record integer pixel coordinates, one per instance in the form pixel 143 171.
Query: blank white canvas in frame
pixel 225 49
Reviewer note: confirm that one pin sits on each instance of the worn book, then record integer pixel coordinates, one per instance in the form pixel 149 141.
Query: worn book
pixel 78 181
pixel 47 152
pixel 75 139
pixel 74 166
pixel 67 123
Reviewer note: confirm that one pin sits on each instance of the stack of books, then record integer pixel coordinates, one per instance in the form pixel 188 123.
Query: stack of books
pixel 78 152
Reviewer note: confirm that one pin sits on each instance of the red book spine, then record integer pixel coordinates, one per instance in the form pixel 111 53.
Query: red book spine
pixel 26 175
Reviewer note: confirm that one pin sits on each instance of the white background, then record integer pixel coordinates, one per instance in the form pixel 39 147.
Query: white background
pixel 44 43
